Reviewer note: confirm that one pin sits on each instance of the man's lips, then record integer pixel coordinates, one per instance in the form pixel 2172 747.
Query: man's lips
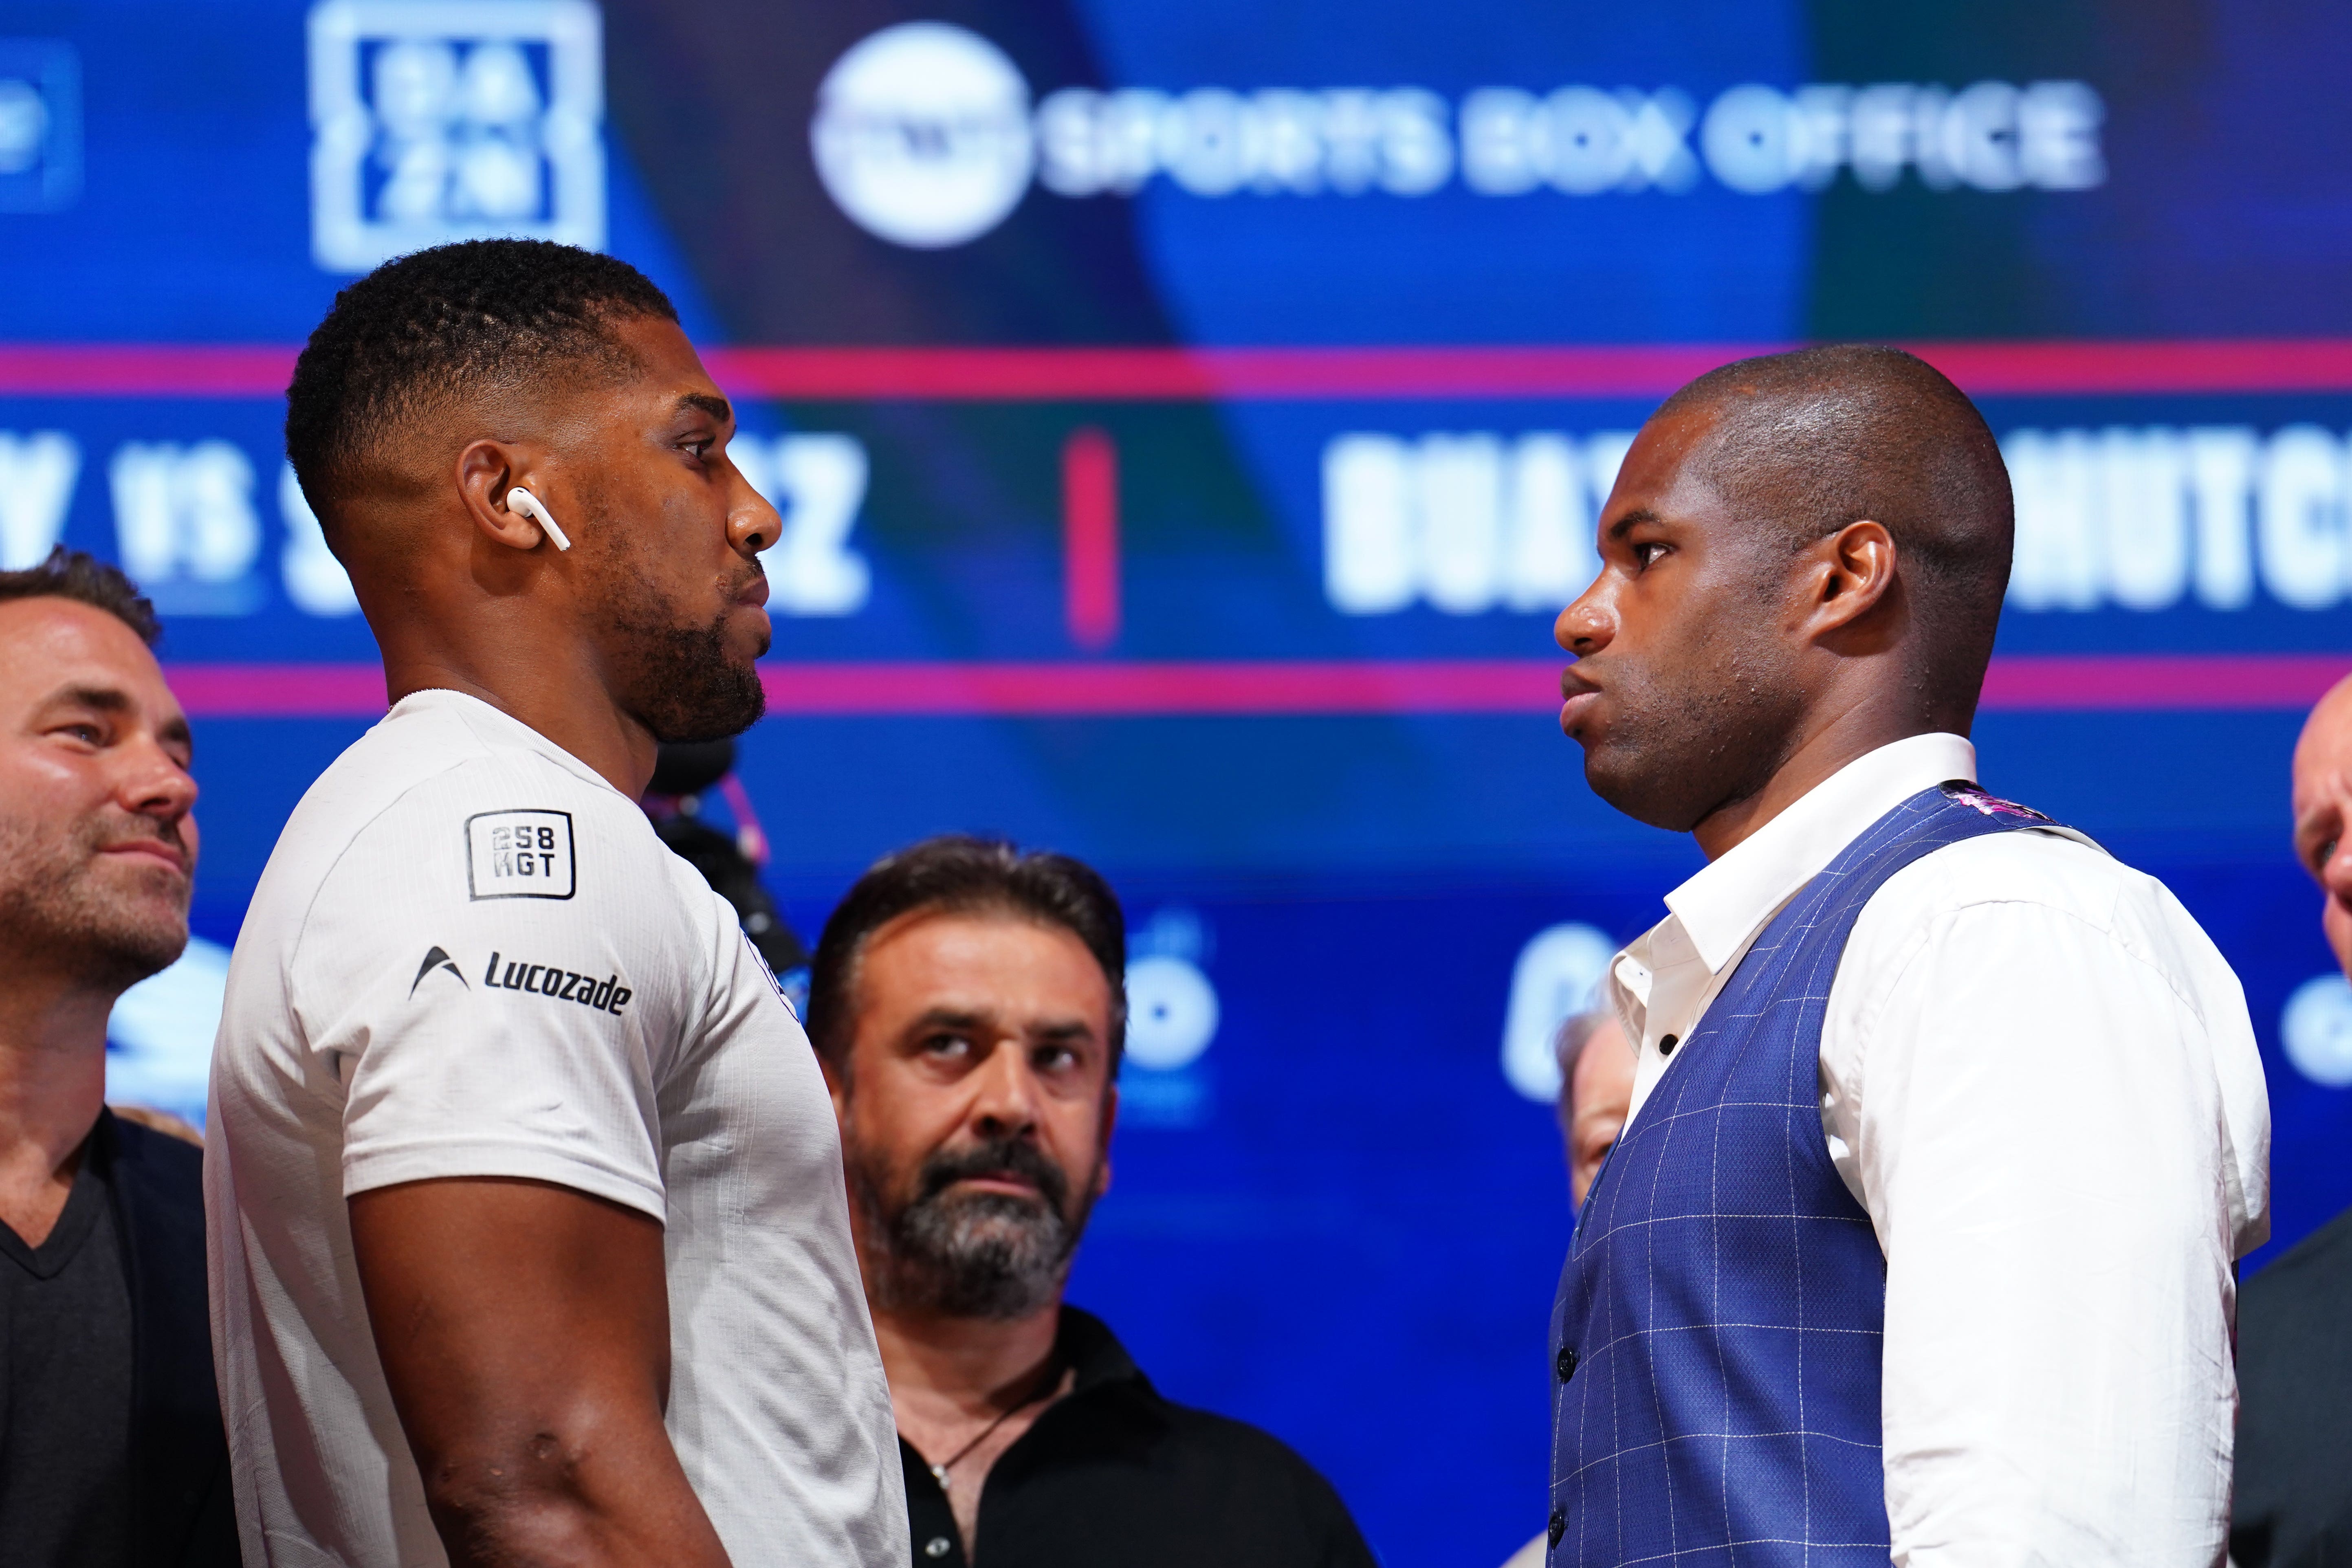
pixel 1000 1182
pixel 754 592
pixel 1577 695
pixel 154 849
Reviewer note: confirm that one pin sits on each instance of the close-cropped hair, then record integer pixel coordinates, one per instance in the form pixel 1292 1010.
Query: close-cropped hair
pixel 86 580
pixel 960 874
pixel 439 328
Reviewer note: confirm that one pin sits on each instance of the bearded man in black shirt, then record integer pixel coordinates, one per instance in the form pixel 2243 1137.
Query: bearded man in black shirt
pixel 111 1445
pixel 967 1002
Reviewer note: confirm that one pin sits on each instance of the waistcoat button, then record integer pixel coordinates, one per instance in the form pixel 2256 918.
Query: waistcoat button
pixel 1666 1047
pixel 937 1546
pixel 1559 1526
pixel 1565 1363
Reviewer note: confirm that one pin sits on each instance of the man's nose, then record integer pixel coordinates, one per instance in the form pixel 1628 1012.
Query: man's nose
pixel 154 784
pixel 753 524
pixel 1006 1103
pixel 2337 875
pixel 1587 626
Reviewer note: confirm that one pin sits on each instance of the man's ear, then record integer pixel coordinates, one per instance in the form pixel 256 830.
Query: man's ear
pixel 1849 574
pixel 487 470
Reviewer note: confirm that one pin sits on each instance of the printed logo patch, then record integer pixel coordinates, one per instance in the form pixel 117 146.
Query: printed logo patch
pixel 519 855
pixel 1969 794
pixel 436 958
pixel 556 984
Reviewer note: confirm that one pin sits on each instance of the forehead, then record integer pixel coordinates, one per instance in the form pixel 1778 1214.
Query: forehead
pixel 1661 469
pixel 980 957
pixel 2322 754
pixel 47 642
pixel 665 366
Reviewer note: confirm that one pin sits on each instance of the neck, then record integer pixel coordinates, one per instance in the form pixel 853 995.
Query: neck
pixel 946 1371
pixel 559 691
pixel 1832 735
pixel 52 1085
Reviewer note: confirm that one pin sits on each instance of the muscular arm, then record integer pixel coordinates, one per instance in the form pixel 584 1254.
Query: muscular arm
pixel 524 1330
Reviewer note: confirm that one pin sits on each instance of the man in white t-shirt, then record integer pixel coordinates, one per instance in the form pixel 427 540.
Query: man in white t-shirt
pixel 527 1227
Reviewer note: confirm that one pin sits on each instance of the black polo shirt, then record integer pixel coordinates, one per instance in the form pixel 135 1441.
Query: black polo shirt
pixel 1112 1473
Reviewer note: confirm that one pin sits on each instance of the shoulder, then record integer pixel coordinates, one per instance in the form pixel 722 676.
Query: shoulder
pixel 2312 1279
pixel 2038 877
pixel 172 1165
pixel 2050 904
pixel 1251 1459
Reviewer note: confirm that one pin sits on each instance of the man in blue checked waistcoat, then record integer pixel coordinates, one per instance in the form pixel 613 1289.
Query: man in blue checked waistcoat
pixel 1947 1127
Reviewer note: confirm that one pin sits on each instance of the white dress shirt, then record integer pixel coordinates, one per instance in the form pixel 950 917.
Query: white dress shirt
pixel 2039 1080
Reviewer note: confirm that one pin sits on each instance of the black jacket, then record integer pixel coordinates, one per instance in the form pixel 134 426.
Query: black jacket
pixel 179 1452
pixel 2294 1507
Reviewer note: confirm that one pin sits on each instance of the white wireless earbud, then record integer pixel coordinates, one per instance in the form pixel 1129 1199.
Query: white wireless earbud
pixel 522 501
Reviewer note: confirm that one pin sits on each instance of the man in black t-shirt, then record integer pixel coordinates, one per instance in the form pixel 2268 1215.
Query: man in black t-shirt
pixel 111 1446
pixel 968 1003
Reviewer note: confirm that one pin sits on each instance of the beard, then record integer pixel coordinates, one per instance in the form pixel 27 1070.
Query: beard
pixel 675 677
pixel 107 926
pixel 970 1254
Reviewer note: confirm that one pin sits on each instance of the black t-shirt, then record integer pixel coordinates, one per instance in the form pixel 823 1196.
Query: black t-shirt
pixel 64 1384
pixel 1112 1473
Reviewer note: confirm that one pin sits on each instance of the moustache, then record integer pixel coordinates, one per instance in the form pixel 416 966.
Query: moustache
pixel 1008 1157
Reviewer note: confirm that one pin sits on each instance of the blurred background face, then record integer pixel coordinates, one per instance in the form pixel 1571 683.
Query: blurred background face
pixel 1593 1108
pixel 97 850
pixel 976 1110
pixel 2323 812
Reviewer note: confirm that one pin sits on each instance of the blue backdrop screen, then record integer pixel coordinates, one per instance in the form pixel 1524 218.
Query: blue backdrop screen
pixel 1187 421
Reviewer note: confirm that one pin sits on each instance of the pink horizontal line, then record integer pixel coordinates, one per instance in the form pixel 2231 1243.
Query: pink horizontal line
pixel 1185 374
pixel 2221 682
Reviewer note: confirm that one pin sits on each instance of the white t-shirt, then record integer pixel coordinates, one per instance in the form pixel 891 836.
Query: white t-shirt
pixel 470 956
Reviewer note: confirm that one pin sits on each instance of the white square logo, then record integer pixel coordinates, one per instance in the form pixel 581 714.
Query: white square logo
pixel 519 855
pixel 435 120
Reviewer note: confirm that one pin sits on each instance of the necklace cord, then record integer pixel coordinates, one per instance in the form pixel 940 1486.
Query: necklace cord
pixel 940 1471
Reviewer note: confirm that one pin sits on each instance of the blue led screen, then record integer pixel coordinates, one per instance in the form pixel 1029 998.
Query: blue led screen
pixel 1187 421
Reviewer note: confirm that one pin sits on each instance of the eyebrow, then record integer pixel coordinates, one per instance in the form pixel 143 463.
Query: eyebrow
pixel 952 1018
pixel 719 409
pixel 1629 520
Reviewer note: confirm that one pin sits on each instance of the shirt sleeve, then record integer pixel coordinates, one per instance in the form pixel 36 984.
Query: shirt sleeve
pixel 483 1022
pixel 2039 1136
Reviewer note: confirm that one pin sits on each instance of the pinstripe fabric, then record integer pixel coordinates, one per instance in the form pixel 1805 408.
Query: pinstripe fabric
pixel 1719 1328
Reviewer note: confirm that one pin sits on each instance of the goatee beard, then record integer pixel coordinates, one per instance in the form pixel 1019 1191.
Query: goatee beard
pixel 992 1256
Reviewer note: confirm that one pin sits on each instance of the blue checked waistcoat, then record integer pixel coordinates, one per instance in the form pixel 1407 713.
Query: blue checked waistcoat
pixel 1717 1340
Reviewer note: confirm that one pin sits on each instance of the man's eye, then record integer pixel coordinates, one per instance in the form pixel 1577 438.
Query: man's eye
pixel 1055 1058
pixel 948 1046
pixel 89 734
pixel 2327 853
pixel 1648 552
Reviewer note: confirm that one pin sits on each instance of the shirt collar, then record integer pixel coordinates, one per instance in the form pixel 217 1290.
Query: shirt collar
pixel 1719 909
pixel 480 716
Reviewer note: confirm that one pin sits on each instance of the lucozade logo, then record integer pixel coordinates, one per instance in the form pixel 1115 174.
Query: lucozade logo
pixel 925 136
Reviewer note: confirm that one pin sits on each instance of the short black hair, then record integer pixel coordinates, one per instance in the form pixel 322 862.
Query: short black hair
pixel 86 580
pixel 963 874
pixel 1816 438
pixel 433 327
